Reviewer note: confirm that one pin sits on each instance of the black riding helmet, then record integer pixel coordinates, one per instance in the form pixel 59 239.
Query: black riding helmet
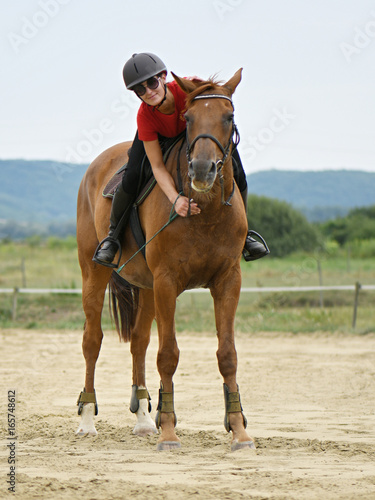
pixel 141 67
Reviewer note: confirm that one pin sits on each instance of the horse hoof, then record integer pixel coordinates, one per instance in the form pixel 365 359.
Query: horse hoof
pixel 86 432
pixel 87 426
pixel 168 445
pixel 236 445
pixel 143 431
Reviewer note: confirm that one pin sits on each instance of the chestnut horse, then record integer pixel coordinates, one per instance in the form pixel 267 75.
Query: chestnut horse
pixel 200 251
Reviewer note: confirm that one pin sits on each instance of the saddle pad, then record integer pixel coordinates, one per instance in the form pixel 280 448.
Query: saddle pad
pixel 114 181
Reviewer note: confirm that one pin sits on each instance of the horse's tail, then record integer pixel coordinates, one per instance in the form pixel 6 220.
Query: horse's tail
pixel 123 304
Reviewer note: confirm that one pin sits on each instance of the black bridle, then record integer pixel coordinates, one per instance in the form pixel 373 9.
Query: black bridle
pixel 234 139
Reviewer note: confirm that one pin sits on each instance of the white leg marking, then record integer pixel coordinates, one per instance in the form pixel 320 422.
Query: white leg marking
pixel 145 425
pixel 87 427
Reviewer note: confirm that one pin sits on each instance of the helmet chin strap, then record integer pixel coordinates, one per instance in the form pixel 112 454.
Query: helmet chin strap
pixel 164 98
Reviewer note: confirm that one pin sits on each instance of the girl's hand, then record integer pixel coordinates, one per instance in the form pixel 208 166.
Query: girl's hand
pixel 182 207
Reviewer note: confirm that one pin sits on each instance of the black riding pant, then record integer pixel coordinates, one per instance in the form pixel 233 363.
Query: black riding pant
pixel 132 177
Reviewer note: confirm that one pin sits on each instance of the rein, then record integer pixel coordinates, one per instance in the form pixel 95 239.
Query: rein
pixel 172 216
pixel 234 139
pixel 224 150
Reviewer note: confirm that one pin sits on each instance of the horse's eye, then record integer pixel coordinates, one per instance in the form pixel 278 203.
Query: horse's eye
pixel 229 118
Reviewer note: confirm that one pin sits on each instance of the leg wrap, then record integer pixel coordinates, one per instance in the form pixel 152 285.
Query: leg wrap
pixel 165 405
pixel 86 397
pixel 232 405
pixel 138 394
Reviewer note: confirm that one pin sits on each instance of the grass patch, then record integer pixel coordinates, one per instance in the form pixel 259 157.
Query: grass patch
pixel 194 314
pixel 55 265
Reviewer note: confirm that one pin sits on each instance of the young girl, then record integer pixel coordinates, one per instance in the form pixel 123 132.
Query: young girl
pixel 160 114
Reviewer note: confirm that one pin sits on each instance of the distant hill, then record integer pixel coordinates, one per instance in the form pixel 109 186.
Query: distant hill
pixel 39 191
pixel 318 194
pixel 45 192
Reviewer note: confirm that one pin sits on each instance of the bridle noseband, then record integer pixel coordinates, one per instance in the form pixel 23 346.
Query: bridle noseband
pixel 234 139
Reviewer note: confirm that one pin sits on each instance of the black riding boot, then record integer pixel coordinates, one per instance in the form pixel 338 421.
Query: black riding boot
pixel 253 249
pixel 120 213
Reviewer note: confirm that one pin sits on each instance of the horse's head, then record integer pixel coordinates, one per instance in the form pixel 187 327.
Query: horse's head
pixel 210 127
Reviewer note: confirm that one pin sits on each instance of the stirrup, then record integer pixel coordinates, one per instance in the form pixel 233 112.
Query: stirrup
pixel 247 255
pixel 102 262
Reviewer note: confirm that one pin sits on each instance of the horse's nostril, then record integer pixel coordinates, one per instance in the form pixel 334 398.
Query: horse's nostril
pixel 190 169
pixel 213 168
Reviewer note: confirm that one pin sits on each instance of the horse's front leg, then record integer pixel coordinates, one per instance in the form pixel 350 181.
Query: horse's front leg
pixel 140 339
pixel 226 295
pixel 167 361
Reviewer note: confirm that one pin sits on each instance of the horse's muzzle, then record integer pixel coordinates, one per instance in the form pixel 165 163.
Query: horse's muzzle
pixel 202 174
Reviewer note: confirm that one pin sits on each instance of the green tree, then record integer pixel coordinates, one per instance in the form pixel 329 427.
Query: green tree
pixel 285 229
pixel 359 224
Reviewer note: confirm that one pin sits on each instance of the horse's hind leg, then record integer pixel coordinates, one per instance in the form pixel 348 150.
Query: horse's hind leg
pixel 93 291
pixel 140 338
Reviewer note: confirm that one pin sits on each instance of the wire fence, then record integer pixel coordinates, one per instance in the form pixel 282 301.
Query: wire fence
pixel 354 288
pixel 264 289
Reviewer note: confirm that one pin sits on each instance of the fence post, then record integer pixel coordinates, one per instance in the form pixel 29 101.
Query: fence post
pixel 356 297
pixel 14 307
pixel 321 300
pixel 348 252
pixel 23 272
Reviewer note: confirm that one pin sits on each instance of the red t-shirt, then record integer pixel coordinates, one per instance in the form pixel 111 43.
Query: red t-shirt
pixel 151 122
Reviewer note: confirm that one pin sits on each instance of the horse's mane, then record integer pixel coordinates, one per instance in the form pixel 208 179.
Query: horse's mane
pixel 210 84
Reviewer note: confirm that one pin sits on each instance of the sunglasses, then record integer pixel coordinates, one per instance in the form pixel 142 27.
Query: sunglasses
pixel 152 83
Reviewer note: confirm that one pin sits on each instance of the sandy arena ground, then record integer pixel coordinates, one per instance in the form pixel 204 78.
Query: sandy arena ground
pixel 309 400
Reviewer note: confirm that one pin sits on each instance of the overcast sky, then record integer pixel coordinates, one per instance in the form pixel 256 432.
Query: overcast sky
pixel 306 100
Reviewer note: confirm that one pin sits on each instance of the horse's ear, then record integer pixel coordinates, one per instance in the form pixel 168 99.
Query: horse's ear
pixel 186 85
pixel 234 81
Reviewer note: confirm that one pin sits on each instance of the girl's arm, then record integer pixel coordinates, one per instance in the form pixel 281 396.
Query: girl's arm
pixel 165 180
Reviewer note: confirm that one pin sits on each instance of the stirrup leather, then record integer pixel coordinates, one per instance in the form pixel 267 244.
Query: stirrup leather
pixel 86 397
